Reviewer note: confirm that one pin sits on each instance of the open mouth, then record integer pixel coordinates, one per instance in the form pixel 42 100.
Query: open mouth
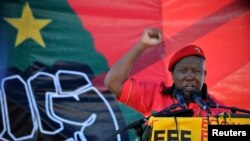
pixel 189 87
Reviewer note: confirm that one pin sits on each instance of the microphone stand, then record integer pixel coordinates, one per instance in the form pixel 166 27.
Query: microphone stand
pixel 137 125
pixel 233 109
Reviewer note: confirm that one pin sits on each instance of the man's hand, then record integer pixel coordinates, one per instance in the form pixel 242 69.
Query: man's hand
pixel 151 37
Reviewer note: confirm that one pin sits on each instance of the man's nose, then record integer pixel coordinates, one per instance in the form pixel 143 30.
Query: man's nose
pixel 189 76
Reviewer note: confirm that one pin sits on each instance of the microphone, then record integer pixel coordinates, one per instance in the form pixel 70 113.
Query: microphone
pixel 178 94
pixel 195 96
pixel 233 109
pixel 213 105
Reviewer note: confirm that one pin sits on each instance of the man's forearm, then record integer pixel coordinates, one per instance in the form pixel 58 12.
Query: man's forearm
pixel 119 72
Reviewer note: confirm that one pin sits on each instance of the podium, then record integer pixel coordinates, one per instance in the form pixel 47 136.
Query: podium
pixel 180 125
pixel 187 128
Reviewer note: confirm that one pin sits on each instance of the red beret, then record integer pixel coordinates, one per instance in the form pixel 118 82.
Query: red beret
pixel 191 50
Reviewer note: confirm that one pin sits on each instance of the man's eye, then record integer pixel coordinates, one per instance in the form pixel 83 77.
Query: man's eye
pixel 182 70
pixel 196 71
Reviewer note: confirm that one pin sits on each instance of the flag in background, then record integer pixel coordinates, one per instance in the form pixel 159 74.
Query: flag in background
pixel 46 32
pixel 46 89
pixel 49 47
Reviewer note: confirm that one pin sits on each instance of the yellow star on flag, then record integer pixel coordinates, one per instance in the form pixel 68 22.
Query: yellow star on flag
pixel 28 27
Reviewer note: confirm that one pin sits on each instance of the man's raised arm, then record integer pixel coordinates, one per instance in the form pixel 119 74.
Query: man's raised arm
pixel 119 72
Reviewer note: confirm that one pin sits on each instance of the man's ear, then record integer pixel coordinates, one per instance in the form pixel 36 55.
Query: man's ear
pixel 205 72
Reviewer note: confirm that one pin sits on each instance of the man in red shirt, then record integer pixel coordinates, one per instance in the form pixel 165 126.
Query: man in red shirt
pixel 187 67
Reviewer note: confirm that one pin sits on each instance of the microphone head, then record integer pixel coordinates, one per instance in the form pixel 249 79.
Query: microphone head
pixel 179 95
pixel 193 95
pixel 178 92
pixel 196 98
